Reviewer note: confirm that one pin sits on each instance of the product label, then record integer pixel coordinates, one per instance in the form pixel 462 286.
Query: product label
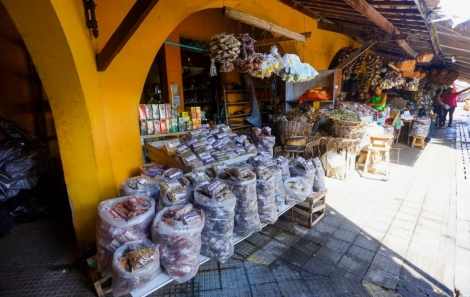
pixel 191 142
pixel 173 184
pixel 180 195
pixel 182 148
pixel 204 155
pixel 214 185
pixel 221 135
pixel 173 144
pixel 142 181
pixel 200 174
pixel 190 158
pixel 210 140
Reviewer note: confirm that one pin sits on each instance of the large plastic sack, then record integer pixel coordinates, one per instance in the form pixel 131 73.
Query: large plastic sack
pixel 217 234
pixel 297 190
pixel 319 181
pixel 246 211
pixel 280 192
pixel 172 193
pixel 267 209
pixel 23 159
pixel 180 243
pixel 112 231
pixel 283 165
pixel 308 175
pixel 141 186
pixel 135 263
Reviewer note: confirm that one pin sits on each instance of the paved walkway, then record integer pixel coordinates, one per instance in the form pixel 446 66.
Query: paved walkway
pixel 409 236
pixel 406 237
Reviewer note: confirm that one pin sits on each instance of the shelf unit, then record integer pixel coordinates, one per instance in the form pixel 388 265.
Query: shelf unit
pixel 328 79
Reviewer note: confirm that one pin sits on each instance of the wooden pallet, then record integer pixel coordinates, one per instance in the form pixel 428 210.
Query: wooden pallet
pixel 101 283
pixel 311 211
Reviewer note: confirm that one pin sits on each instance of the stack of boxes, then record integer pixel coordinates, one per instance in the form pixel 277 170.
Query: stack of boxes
pixel 162 119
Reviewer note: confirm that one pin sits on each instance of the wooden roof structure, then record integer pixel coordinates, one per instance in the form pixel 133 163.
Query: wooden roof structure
pixel 402 29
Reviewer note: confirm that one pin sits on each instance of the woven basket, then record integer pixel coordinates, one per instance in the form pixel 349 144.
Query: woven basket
pixel 295 128
pixel 349 131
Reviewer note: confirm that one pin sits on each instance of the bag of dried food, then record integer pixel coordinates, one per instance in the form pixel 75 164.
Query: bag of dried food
pixel 172 193
pixel 297 190
pixel 141 186
pixel 280 192
pixel 122 220
pixel 177 229
pixel 319 181
pixel 264 141
pixel 134 264
pixel 304 168
pixel 243 183
pixel 218 203
pixel 265 189
pixel 283 165
pixel 152 169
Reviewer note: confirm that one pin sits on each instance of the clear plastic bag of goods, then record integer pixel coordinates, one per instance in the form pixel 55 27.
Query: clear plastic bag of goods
pixel 283 165
pixel 267 208
pixel 172 173
pixel 218 203
pixel 280 192
pixel 135 263
pixel 420 127
pixel 172 193
pixel 334 159
pixel 308 175
pixel 152 169
pixel 243 184
pixel 297 190
pixel 319 181
pixel 141 186
pixel 122 220
pixel 177 231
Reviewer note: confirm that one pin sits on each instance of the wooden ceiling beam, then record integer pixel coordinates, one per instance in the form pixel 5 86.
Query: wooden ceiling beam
pixel 279 39
pixel 124 32
pixel 398 4
pixel 431 29
pixel 376 17
pixel 358 32
pixel 302 9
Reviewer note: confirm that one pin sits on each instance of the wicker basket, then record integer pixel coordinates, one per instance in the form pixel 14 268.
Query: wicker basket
pixel 290 128
pixel 349 130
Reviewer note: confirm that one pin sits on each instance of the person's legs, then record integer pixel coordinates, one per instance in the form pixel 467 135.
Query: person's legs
pixel 438 112
pixel 451 114
pixel 443 118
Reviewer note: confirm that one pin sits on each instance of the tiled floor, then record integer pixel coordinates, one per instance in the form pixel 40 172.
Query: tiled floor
pixel 405 237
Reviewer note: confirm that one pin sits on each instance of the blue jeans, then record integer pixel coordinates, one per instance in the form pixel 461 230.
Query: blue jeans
pixel 439 110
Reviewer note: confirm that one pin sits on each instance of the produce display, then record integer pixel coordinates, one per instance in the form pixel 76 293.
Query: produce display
pixel 243 183
pixel 203 147
pixel 355 108
pixel 295 70
pixel 420 127
pixel 218 203
pixel 134 264
pixel 177 231
pixel 392 79
pixel 141 185
pixel 122 220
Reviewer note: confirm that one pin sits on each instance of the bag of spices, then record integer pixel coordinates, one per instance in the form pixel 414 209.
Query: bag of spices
pixel 152 169
pixel 135 263
pixel 265 189
pixel 177 231
pixel 122 220
pixel 319 181
pixel 172 193
pixel 243 183
pixel 297 190
pixel 218 203
pixel 304 168
pixel 141 186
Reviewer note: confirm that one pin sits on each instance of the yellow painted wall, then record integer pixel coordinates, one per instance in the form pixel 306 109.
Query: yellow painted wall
pixel 95 113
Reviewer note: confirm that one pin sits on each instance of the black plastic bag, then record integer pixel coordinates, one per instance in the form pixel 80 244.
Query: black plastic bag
pixel 23 159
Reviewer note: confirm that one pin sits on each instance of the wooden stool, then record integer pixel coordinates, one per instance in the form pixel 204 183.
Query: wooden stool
pixel 379 143
pixel 418 141
pixel 311 211
pixel 362 159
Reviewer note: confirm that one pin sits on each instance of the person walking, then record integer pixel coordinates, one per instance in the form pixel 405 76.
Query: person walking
pixel 438 108
pixel 450 101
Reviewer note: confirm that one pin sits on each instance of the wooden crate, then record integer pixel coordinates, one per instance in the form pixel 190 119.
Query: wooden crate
pixel 310 212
